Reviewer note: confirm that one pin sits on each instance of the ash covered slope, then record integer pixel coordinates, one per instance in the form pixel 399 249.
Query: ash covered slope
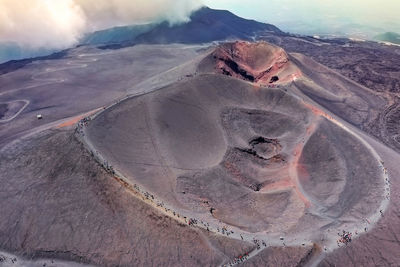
pixel 77 186
pixel 359 106
pixel 60 204
pixel 228 151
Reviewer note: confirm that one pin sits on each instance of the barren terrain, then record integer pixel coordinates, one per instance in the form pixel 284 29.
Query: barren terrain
pixel 374 66
pixel 194 156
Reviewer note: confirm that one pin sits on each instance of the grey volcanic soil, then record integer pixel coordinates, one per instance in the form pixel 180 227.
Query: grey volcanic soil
pixel 373 65
pixel 170 141
pixel 219 143
pixel 58 203
pixel 380 246
pixel 287 257
pixel 10 109
pixel 332 161
pixel 203 143
pixel 87 78
pixel 3 110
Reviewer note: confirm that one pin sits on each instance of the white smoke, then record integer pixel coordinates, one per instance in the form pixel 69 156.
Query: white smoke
pixel 104 13
pixel 58 24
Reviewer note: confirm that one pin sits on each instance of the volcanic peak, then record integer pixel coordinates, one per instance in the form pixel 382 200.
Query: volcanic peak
pixel 259 62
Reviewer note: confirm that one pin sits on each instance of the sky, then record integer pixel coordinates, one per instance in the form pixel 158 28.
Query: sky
pixel 363 17
pixel 59 24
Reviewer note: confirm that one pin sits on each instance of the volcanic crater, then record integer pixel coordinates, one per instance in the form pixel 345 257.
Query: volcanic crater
pixel 260 160
pixel 200 154
pixel 261 63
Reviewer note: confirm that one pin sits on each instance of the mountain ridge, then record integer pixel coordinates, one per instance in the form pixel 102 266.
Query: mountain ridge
pixel 225 25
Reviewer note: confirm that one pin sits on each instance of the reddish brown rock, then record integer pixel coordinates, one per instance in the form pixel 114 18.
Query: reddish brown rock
pixel 261 62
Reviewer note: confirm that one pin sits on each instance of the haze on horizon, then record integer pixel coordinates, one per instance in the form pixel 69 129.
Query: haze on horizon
pixel 358 18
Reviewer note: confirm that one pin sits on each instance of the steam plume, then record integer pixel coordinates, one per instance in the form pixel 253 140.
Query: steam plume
pixel 60 23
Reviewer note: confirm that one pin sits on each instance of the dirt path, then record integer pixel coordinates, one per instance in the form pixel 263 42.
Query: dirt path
pixel 52 125
pixel 18 112
pixel 47 81
pixel 367 223
pixel 214 225
pixel 261 240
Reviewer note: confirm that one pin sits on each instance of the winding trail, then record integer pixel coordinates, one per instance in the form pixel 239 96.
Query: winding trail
pixel 366 223
pixel 19 111
pixel 84 61
pixel 183 217
pixel 217 227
